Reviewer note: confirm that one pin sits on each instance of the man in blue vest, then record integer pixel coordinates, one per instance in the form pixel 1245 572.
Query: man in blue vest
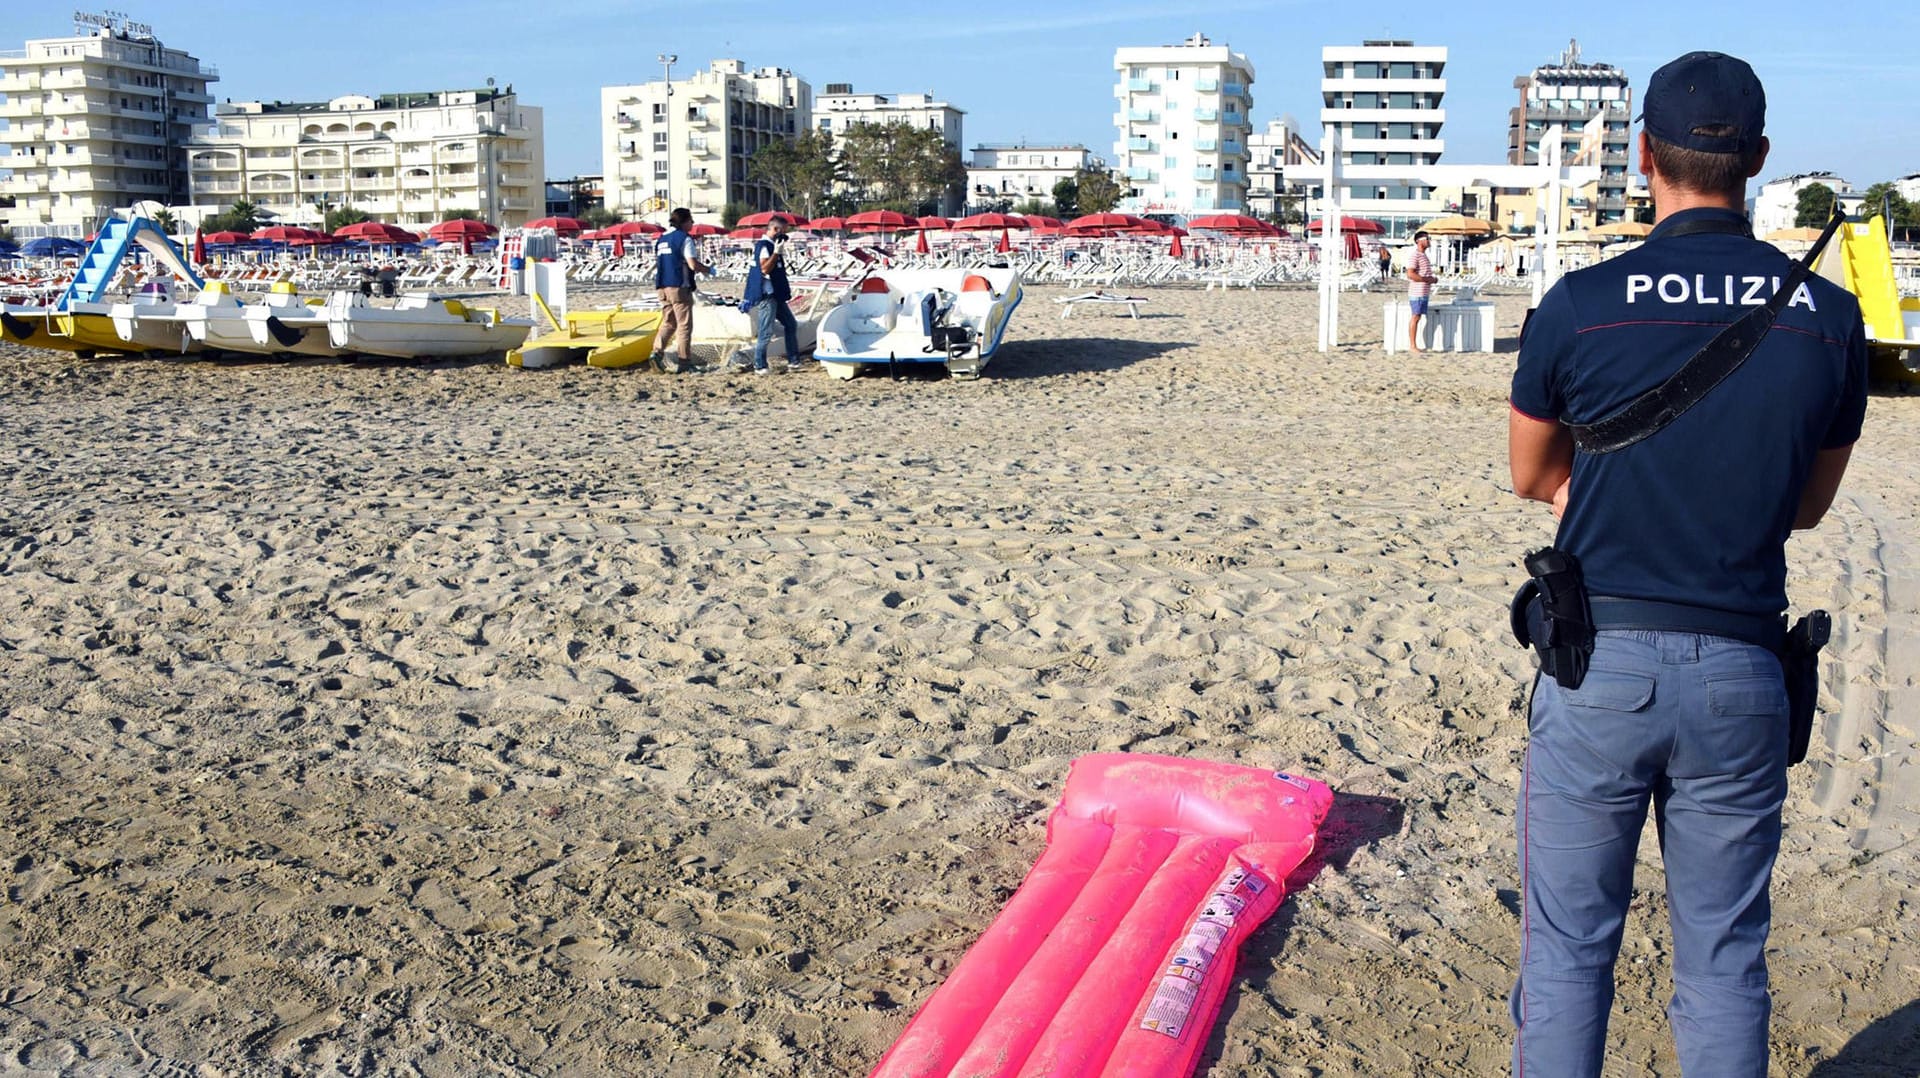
pixel 769 294
pixel 677 264
pixel 1681 540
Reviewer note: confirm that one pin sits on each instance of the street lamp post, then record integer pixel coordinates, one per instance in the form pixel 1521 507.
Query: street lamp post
pixel 667 61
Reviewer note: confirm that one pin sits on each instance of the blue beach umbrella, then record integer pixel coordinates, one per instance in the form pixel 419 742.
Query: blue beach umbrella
pixel 54 246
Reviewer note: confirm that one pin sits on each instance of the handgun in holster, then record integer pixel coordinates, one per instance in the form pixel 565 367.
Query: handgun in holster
pixel 1551 615
pixel 1800 662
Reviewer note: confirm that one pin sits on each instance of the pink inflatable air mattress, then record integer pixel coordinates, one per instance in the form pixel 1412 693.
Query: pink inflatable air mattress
pixel 1115 955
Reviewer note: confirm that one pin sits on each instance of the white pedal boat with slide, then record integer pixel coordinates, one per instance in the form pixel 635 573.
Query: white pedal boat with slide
pixel 909 319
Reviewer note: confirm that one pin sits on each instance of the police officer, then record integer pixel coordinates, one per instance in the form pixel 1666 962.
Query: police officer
pixel 1681 539
pixel 769 294
pixel 677 264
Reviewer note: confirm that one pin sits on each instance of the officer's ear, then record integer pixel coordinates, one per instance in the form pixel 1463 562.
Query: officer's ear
pixel 1646 155
pixel 1760 158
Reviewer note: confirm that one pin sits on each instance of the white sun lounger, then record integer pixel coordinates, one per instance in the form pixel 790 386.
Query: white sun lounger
pixel 1131 303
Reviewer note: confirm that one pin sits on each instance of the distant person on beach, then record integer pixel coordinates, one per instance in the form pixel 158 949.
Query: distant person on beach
pixel 1386 266
pixel 769 293
pixel 677 264
pixel 1420 281
pixel 1668 685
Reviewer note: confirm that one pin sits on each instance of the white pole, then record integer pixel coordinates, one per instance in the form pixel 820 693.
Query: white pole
pixel 1329 239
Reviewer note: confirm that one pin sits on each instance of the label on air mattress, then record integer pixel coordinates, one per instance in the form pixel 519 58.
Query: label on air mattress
pixel 1178 994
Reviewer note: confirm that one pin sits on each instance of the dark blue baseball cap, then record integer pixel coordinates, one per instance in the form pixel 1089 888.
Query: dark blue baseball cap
pixel 1706 90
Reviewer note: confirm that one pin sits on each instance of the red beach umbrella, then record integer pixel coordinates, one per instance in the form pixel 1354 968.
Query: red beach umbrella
pixel 880 221
pixel 226 239
pixel 565 226
pixel 767 217
pixel 1115 221
pixel 1175 249
pixel 705 230
pixel 746 233
pixel 630 228
pixel 920 241
pixel 929 224
pixel 1004 245
pixel 199 246
pixel 377 232
pixel 1349 224
pixel 1231 222
pixel 824 224
pixel 284 234
pixel 461 228
pixel 984 222
pixel 619 246
pixel 1040 221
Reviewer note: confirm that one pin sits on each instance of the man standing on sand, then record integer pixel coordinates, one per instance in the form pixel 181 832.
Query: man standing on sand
pixel 1420 281
pixel 769 291
pixel 1677 697
pixel 677 264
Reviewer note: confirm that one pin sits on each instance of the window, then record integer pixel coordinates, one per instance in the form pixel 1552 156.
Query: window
pixel 659 140
pixel 1400 70
pixel 659 170
pixel 659 110
pixel 1366 71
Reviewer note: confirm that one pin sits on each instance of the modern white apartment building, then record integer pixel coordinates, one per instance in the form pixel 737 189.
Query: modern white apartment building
pixel 1593 106
pixel 1184 121
pixel 1283 169
pixel 1385 98
pixel 1778 201
pixel 97 121
pixel 407 159
pixel 687 142
pixel 1002 172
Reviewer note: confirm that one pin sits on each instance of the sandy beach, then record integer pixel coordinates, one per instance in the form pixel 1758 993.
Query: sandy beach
pixel 447 719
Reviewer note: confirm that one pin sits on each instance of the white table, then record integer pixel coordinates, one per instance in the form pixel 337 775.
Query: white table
pixel 1448 327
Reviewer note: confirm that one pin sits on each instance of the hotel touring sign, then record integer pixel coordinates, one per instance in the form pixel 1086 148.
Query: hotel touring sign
pixel 111 20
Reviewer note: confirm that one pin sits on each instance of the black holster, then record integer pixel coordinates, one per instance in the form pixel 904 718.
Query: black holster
pixel 1551 614
pixel 1800 662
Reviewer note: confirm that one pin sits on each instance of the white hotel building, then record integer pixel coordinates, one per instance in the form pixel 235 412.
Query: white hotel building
pixel 687 142
pixel 406 159
pixel 96 122
pixel 1005 172
pixel 1385 99
pixel 1184 121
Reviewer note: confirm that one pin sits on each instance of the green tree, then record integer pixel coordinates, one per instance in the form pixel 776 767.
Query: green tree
pixel 598 217
pixel 1813 206
pixel 1098 191
pixel 1037 205
pixel 1901 213
pixel 731 213
pixel 1066 196
pixel 461 215
pixel 164 219
pixel 800 171
pixel 899 164
pixel 243 216
pixel 340 218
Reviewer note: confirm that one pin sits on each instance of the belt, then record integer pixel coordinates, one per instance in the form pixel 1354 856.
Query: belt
pixel 1763 630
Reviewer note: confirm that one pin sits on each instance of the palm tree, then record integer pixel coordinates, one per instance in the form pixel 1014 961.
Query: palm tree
pixel 242 216
pixel 164 218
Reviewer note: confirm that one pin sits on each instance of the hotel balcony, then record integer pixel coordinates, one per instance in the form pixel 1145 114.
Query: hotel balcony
pixel 1141 172
pixel 1233 89
pixel 1335 116
pixel 626 121
pixel 1383 86
pixel 1140 145
pixel 15 109
pixel 1142 86
pixel 216 187
pixel 1145 116
pixel 1207 86
pixel 18 184
pixel 1232 148
pixel 20 83
pixel 1206 172
pixel 1207 145
pixel 1206 116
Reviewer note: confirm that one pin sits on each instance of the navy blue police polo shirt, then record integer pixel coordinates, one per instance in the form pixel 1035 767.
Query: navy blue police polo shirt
pixel 1700 512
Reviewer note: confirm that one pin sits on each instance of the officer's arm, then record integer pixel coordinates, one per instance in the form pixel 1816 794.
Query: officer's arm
pixel 1822 484
pixel 1539 454
pixel 766 264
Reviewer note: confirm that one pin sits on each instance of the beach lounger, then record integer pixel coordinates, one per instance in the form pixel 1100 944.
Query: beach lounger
pixel 1131 303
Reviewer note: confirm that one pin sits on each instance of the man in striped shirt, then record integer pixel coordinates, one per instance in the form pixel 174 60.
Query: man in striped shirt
pixel 1420 281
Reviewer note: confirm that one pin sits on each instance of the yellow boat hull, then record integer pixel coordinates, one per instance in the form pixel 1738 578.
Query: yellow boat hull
pixel 86 334
pixel 606 339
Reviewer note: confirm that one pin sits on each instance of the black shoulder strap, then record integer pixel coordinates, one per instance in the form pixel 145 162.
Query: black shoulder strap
pixel 1650 412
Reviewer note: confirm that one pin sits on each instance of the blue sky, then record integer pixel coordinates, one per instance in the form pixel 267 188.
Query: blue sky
pixel 1840 85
